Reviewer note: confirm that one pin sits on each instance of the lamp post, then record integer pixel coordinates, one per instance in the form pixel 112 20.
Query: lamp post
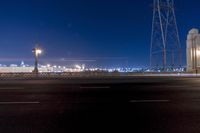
pixel 36 52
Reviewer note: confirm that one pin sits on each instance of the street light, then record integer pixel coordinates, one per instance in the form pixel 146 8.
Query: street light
pixel 36 52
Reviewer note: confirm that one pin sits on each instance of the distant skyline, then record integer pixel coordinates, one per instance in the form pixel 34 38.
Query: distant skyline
pixel 112 32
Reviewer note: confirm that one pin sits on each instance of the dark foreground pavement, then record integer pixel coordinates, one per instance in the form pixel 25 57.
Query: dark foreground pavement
pixel 135 105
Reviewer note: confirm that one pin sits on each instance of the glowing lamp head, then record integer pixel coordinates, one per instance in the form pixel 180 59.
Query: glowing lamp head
pixel 38 51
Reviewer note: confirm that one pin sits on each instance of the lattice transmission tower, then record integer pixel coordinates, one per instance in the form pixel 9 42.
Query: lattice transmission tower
pixel 165 43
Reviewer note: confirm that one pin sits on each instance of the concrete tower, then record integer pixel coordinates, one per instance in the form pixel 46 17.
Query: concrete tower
pixel 193 51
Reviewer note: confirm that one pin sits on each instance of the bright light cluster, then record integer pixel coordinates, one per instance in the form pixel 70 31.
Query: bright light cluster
pixel 78 68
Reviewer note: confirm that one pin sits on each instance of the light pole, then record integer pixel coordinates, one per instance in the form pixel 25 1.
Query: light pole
pixel 36 52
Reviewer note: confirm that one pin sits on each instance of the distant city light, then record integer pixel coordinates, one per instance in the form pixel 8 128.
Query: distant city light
pixel 78 66
pixel 53 68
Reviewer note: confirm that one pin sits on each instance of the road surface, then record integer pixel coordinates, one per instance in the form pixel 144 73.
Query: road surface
pixel 127 105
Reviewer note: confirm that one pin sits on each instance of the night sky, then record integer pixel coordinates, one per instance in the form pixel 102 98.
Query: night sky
pixel 116 32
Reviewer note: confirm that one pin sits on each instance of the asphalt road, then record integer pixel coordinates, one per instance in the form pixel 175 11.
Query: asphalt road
pixel 131 104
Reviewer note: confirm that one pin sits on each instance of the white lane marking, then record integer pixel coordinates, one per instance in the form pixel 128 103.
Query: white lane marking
pixel 12 88
pixel 1 103
pixel 95 87
pixel 149 101
pixel 195 100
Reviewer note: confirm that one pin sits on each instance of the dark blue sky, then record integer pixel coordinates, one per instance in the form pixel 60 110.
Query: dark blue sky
pixel 85 29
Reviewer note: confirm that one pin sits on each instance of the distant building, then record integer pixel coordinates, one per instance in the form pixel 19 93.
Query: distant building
pixel 13 65
pixel 16 69
pixel 22 64
pixel 193 51
pixel 22 69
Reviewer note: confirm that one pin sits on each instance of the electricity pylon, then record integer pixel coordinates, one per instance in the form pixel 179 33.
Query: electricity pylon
pixel 165 42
